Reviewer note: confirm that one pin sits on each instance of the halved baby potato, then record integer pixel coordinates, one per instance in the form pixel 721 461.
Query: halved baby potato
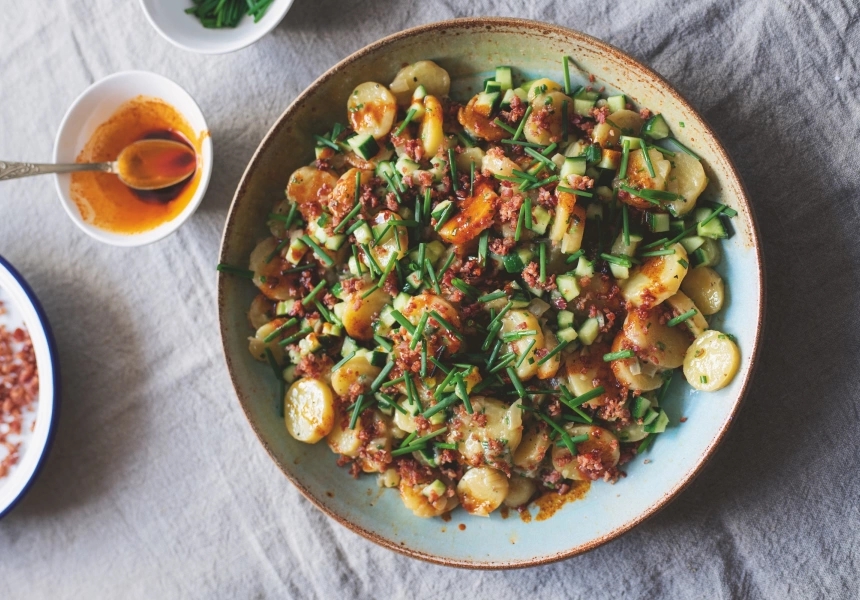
pixel 522 320
pixel 434 78
pixel 639 177
pixel 309 410
pixel 309 186
pixel 622 369
pixel 687 178
pixel 393 245
pixel 268 273
pixel 657 343
pixel 479 126
pixel 705 288
pixel 712 361
pixel 371 109
pixel 600 443
pixel 657 279
pixel 475 215
pixel 544 125
pixel 431 132
pixel 482 490
pixel 491 421
pixel 681 304
pixel 585 371
pixel 360 313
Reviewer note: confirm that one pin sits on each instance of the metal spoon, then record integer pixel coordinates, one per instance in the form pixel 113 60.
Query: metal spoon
pixel 142 165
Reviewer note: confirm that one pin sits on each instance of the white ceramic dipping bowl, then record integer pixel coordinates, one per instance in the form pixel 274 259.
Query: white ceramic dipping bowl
pixel 95 106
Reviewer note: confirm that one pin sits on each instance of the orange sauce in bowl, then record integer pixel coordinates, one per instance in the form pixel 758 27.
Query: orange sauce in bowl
pixel 106 202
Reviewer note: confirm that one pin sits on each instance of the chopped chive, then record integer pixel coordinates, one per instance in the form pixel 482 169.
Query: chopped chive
pixel 374 266
pixel 663 151
pixel 518 385
pixel 538 156
pixel 344 360
pixel 498 317
pixel 321 254
pixel 377 383
pixel 356 411
pixel 419 331
pixel 575 192
pixel 429 268
pixel 462 391
pixel 520 220
pixel 655 244
pixel 492 331
pixel 443 218
pixel 565 61
pixel 469 290
pixel 621 260
pixel 225 268
pixel 625 158
pixel 548 150
pixel 279 330
pixel 714 214
pixel 439 406
pixel 703 378
pixel 446 324
pixel 445 446
pixel 526 353
pixel 645 444
pixel 427 204
pixel 522 143
pixel 407 441
pixel 661 395
pixel 409 115
pixel 492 296
pixel 505 126
pixel 527 204
pixel 565 437
pixel 445 266
pixel 523 175
pixel 423 358
pixel 625 221
pixel 680 236
pixel 504 361
pixel 543 182
pixel 307 299
pixel 513 336
pixel 296 336
pixel 393 186
pixel 683 263
pixel 652 196
pixel 522 124
pixel 452 164
pixel 415 444
pixel 621 354
pixel 270 357
pixel 664 252
pixel 583 398
pixel 348 217
pixel 575 256
pixel 683 148
pixel 351 229
pixel 404 322
pixel 494 353
pixel 553 352
pixel 357 260
pixel 648 165
pixel 326 142
pixel 542 262
pixel 729 212
pixel 681 318
pixel 506 178
pixel 383 343
pixel 472 178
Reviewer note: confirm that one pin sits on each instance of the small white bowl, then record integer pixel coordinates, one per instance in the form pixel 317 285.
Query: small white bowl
pixel 95 106
pixel 23 308
pixel 187 32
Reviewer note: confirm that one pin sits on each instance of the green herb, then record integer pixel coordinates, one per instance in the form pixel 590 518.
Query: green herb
pixel 703 378
pixel 564 120
pixel 553 352
pixel 522 124
pixel 503 362
pixel 443 218
pixel 523 356
pixel 419 331
pixel 520 221
pixel 683 263
pixel 225 268
pixel 625 224
pixel 398 316
pixel 469 290
pixel 383 343
pixel 684 148
pixel 664 252
pixel 446 324
pixel 616 259
pixel 655 244
pixel 439 406
pixel 621 354
pixel 504 126
pixel 647 157
pixel 472 178
pixel 428 266
pixel 348 218
pixel 575 256
pixel 322 141
pixel 565 437
pixel 377 383
pixel 344 360
pixel 296 336
pixel 513 336
pixel 565 61
pixel 518 385
pixel 279 330
pixel 645 444
pixel 542 262
pixel 522 143
pixel 418 443
pixel 409 115
pixel 307 299
pixel 540 157
pixel 575 192
pixel 582 399
pixel 713 215
pixel 492 296
pixel 321 254
pixel 356 411
pixel 681 318
pixel 625 158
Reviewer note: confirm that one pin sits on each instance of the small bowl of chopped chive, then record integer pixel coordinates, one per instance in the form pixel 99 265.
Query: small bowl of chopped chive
pixel 214 26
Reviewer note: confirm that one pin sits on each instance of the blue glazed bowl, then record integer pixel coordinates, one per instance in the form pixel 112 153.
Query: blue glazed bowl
pixel 23 307
pixel 470 49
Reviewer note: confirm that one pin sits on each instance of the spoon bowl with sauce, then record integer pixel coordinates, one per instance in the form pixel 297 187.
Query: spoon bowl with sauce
pixel 141 159
pixel 147 165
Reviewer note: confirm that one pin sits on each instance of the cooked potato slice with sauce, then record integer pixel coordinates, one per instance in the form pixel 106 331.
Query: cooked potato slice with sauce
pixel 602 448
pixel 420 505
pixel 482 490
pixel 657 279
pixel 712 361
pixel 491 434
pixel 268 273
pixel 657 343
pixel 705 288
pixel 357 370
pixel 475 215
pixel 479 126
pixel 585 370
pixel 431 132
pixel 498 164
pixel 639 177
pixel 520 491
pixel 544 125
pixel 532 448
pixel 392 245
pixel 360 313
pixel 309 410
pixel 372 109
pixel 686 178
pixel 550 367
pixel 308 186
pixel 343 440
pixel 623 369
pixel 434 78
pixel 522 320
pixel 681 304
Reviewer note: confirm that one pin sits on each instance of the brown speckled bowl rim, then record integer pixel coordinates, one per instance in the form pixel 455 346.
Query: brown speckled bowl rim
pixel 733 178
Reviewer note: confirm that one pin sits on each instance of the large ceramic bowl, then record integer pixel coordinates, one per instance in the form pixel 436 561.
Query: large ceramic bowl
pixel 470 49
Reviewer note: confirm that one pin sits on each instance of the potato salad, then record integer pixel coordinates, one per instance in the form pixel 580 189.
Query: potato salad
pixel 482 300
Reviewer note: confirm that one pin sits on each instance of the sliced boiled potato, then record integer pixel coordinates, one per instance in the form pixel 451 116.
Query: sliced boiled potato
pixel 490 435
pixel 639 177
pixel 520 491
pixel 257 344
pixel 479 126
pixel 475 215
pixel 309 410
pixel 705 288
pixel 532 448
pixel 467 157
pixel 420 505
pixel 686 178
pixel 621 122
pixel 657 279
pixel 544 125
pixel 371 109
pixel 602 448
pixel 539 87
pixel 656 342
pixel 681 304
pixel 268 273
pixel 550 367
pixel 260 312
pixel 434 78
pixel 622 369
pixel 308 187
pixel 394 244
pixel 360 313
pixel 522 320
pixel 342 198
pixel 357 370
pixel 712 361
pixel 482 490
pixel 426 302
pixel 431 132
pixel 585 370
pixel 498 164
pixel 343 440
pixel 563 215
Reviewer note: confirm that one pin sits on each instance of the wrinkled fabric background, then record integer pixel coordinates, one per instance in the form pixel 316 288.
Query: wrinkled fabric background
pixel 157 487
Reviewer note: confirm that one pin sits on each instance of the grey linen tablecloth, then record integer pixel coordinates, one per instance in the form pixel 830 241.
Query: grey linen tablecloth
pixel 157 487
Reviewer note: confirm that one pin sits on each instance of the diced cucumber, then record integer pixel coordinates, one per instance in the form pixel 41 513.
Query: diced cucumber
pixel 677 227
pixel 492 86
pixel 509 97
pixel 640 406
pixel 619 271
pixel 616 103
pixel 706 255
pixel 650 416
pixel 440 209
pixel 401 300
pixel 587 95
pixel 439 418
pixel 364 145
pixel 487 102
pixel 378 359
pixel 584 268
pixel 363 234
pixel 321 152
pixel 575 148
pixel 413 282
pixel 338 310
pixel 568 286
pixel 289 374
pixel 337 290
pixel 658 222
pixel 540 219
pixel 439 168
pixel 331 330
pixel 594 212
pixel 285 307
pixel 515 262
pixel 658 425
pixel 656 128
pixel 692 243
pixel 620 248
pixel 354 267
pixel 385 315
pixel 635 142
pixel 588 331
pixel 435 489
pixel 610 159
pixel 406 166
pixel 565 319
pixel 505 78
pixel 434 251
pixel 573 166
pixel 713 229
pixel 583 106
pixel 568 334
pixel 334 242
pixel 385 167
pixel 296 251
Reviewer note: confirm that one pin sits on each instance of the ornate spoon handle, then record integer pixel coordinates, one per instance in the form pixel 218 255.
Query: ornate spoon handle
pixel 16 170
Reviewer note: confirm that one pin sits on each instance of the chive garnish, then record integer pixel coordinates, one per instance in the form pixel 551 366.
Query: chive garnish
pixel 527 204
pixel 344 360
pixel 542 262
pixel 652 196
pixel 620 355
pixel 565 437
pixel 538 156
pixel 225 268
pixel 443 218
pixel 505 126
pixel 582 399
pixel 513 336
pixel 470 291
pixel 616 259
pixel 472 178
pixel 279 330
pixel 684 148
pixel 296 336
pixel 428 266
pixel 504 361
pixel 681 318
pixel 492 296
pixel 520 220
pixel 553 352
pixel 518 385
pixel 714 214
pixel 664 252
pixel 522 124
pixel 351 229
pixel 564 120
pixel 683 263
pixel 419 331
pixel 565 61
pixel 307 299
pixel 321 254
pixel 645 444
pixel 625 158
pixel 648 165
pixel 348 218
pixel 446 324
pixel 418 443
pixel 371 262
pixel 445 446
pixel 575 256
pixel 439 406
pixel 452 165
pixel 409 115
pixel 423 358
pixel 661 395
pixel 404 322
pixel 326 142
pixel 575 192
pixel 356 411
pixel 377 383
pixel 383 343
pixel 655 244
pixel 523 356
pixel 522 143
pixel 680 236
